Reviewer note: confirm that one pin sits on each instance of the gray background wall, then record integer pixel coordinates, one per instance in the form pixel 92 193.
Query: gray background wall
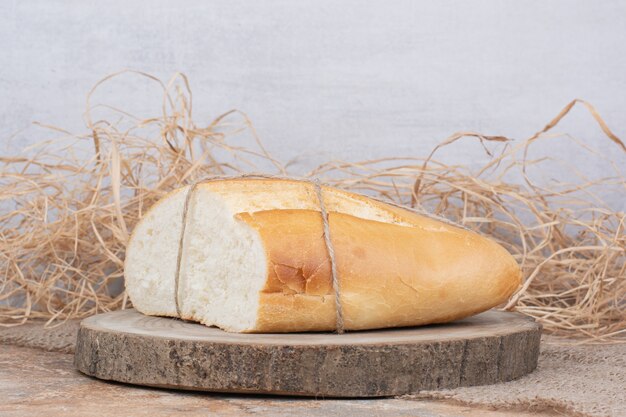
pixel 349 79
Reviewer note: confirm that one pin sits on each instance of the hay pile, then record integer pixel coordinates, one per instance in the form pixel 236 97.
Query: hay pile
pixel 69 205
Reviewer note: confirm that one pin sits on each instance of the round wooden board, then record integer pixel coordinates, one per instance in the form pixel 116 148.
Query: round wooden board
pixel 127 346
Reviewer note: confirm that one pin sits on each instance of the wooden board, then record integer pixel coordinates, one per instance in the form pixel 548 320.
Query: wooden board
pixel 127 346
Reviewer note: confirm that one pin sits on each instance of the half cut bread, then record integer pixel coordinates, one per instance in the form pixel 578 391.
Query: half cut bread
pixel 254 260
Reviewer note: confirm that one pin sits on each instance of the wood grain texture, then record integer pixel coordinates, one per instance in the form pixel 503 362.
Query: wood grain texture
pixel 127 346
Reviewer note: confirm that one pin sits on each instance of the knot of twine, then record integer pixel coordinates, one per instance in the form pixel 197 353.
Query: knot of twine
pixel 326 232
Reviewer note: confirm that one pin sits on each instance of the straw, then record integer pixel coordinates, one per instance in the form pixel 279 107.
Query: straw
pixel 69 204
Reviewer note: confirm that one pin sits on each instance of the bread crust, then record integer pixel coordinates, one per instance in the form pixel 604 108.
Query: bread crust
pixel 390 275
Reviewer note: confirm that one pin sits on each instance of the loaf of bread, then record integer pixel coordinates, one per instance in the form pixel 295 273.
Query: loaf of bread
pixel 254 259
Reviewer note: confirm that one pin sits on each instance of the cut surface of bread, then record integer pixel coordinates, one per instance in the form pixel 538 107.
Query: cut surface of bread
pixel 254 259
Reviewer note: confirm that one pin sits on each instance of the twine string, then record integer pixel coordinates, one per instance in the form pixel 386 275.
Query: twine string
pixel 181 244
pixel 331 255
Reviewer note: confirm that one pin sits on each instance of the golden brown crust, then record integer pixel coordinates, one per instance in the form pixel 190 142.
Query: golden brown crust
pixel 390 275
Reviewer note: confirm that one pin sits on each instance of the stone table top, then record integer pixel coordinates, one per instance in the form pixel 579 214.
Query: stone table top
pixel 37 383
